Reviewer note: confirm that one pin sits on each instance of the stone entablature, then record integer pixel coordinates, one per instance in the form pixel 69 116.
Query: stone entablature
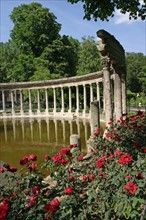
pixel 71 81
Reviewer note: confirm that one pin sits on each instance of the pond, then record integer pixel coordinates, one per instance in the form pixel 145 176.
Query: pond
pixel 39 136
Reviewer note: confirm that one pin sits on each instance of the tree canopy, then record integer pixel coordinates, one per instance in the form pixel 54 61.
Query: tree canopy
pixel 106 8
pixel 34 28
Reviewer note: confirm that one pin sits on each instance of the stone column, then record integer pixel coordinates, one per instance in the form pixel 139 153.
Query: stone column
pixel 54 95
pixel 62 99
pixel 38 96
pixel 70 100
pixel 123 80
pixel 3 101
pixel 77 99
pixel 94 116
pixel 98 93
pixel 12 102
pixel 117 93
pixel 21 103
pixel 30 102
pixel 107 89
pixel 91 93
pixel 85 99
pixel 46 97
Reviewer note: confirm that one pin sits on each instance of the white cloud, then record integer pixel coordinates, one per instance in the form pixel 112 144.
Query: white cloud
pixel 124 18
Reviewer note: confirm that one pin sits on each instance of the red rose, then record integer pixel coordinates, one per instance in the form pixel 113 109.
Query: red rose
pixel 91 177
pixel 68 190
pixel 57 158
pixel 47 157
pixel 6 165
pixel 119 153
pixel 12 169
pixel 139 176
pixel 32 201
pixel 131 187
pixel 32 157
pixel 97 132
pixel 52 206
pixel 84 177
pixel 1 170
pixel 70 178
pixel 125 159
pixel 65 151
pixel 55 203
pixel 80 157
pixel 144 150
pixel 23 160
pixel 101 162
pixel 35 190
pixel 63 161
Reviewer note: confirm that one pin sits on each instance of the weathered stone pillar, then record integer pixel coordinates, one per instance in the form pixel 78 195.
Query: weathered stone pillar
pixel 38 96
pixel 124 104
pixel 12 102
pixel 94 116
pixel 21 103
pixel 117 93
pixel 3 101
pixel 75 139
pixel 107 89
pixel 91 93
pixel 54 95
pixel 30 102
pixel 46 97
pixel 85 99
pixel 77 99
pixel 70 101
pixel 98 93
pixel 62 99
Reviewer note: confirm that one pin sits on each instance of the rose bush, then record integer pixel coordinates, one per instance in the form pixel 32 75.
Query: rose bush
pixel 108 185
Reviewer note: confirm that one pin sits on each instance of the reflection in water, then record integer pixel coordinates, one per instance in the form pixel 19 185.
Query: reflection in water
pixel 40 136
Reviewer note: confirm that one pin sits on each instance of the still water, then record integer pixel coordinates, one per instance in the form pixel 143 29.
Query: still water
pixel 39 136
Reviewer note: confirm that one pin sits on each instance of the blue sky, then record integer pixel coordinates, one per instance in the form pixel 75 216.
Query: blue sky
pixel 131 34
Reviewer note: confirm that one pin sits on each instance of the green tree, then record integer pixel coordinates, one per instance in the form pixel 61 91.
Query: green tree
pixel 61 57
pixel 8 55
pixel 89 58
pixel 34 28
pixel 105 9
pixel 136 74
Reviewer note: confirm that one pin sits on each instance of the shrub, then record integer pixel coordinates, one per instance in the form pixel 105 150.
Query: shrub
pixel 109 185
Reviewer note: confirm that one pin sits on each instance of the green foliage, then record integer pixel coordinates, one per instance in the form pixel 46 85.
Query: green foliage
pixel 110 184
pixel 8 55
pixel 136 74
pixel 105 9
pixel 34 28
pixel 89 59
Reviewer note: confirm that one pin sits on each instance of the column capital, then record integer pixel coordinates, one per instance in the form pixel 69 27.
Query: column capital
pixel 106 62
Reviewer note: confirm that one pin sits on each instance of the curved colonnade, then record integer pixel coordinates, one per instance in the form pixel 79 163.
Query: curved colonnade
pixel 67 88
